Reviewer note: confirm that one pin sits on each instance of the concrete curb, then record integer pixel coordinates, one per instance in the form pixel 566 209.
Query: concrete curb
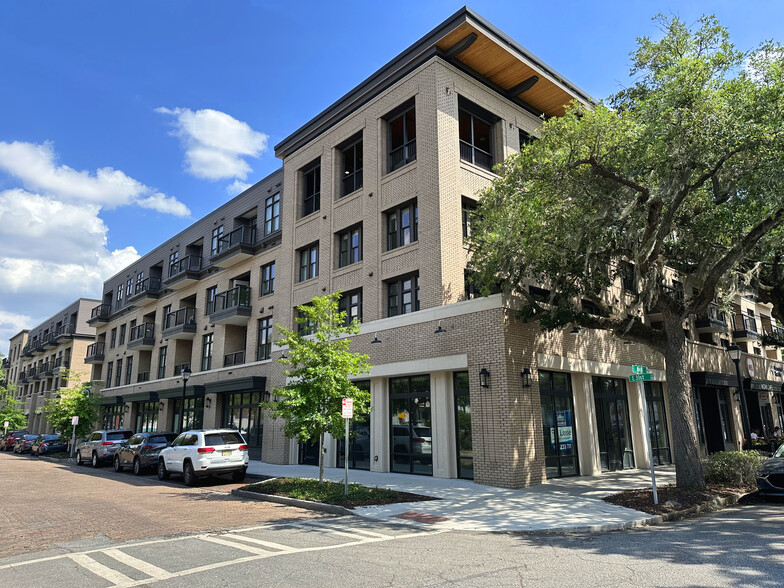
pixel 328 508
pixel 67 460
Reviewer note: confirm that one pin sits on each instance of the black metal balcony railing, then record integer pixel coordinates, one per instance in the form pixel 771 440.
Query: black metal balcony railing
pixel 32 374
pixel 46 369
pixel 178 368
pixel 749 324
pixel 38 345
pixel 237 358
pixel 23 377
pixel 95 350
pixel 715 313
pixel 150 285
pixel 238 296
pixel 102 311
pixel 142 331
pixel 65 330
pixel 238 237
pixel 476 155
pixel 184 316
pixel 62 362
pixel 402 155
pixel 776 332
pixel 189 263
pixel 143 377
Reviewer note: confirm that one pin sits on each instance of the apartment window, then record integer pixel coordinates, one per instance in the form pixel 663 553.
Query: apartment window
pixel 113 338
pixel 174 260
pixel 308 262
pixel 402 225
pixel 166 312
pixel 206 352
pixel 351 304
pixel 627 277
pixel 403 295
pixel 541 295
pixel 129 371
pixel 471 287
pixel 308 327
pixel 162 353
pixel 217 235
pixel 352 168
pixel 350 245
pixel 525 138
pixel 476 137
pixel 401 129
pixel 272 214
pixel 265 339
pixel 128 288
pixel 211 293
pixel 120 291
pixel 268 279
pixel 109 372
pixel 122 334
pixel 118 376
pixel 139 280
pixel 469 207
pixel 311 189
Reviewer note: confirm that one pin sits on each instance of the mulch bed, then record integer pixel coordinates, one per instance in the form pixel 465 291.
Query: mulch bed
pixel 671 498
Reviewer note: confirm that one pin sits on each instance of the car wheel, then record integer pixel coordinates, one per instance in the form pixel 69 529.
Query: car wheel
pixel 239 475
pixel 163 473
pixel 95 462
pixel 137 467
pixel 78 458
pixel 188 475
pixel 117 466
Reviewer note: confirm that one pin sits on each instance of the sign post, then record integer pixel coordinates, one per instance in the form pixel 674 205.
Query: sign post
pixel 640 374
pixel 74 422
pixel 348 414
pixel 5 427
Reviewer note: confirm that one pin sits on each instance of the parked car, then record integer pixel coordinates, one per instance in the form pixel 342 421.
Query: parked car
pixel 141 451
pixel 770 476
pixel 24 443
pixel 100 446
pixel 49 444
pixel 201 453
pixel 418 442
pixel 7 443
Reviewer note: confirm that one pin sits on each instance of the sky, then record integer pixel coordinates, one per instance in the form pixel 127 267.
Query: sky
pixel 121 123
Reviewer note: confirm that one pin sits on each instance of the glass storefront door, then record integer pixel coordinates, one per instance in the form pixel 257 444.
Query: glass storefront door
pixel 241 411
pixel 465 449
pixel 147 417
pixel 410 431
pixel 612 423
pixel 657 424
pixel 558 427
pixel 359 439
pixel 194 414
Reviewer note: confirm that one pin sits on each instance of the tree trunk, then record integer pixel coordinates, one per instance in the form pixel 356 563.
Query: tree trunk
pixel 321 458
pixel 685 447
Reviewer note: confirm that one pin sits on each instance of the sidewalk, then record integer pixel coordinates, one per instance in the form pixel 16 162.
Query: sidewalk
pixel 566 504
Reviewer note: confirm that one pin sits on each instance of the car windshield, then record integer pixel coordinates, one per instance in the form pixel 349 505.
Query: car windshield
pixel 779 451
pixel 227 438
pixel 162 439
pixel 51 437
pixel 119 436
pixel 422 432
pixel 30 437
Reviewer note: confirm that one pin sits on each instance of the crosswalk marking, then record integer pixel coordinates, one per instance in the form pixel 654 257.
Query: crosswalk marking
pixel 142 566
pixel 346 532
pixel 107 573
pixel 248 548
pixel 277 546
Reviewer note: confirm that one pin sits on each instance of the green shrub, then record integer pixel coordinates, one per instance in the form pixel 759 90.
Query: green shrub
pixel 733 469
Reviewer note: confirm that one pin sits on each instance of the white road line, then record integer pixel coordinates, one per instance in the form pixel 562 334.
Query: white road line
pixel 142 566
pixel 248 548
pixel 113 576
pixel 277 546
pixel 349 531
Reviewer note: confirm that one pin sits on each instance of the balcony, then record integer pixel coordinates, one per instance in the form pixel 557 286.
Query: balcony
pixel 23 377
pixel 50 339
pixel 184 272
pixel 402 155
pixel 95 353
pixel 38 346
pixel 232 307
pixel 180 324
pixel 714 321
pixel 775 333
pixel 47 370
pixel 235 247
pixel 232 359
pixel 64 332
pixel 476 156
pixel 145 291
pixel 27 350
pixel 142 337
pixel 100 314
pixel 33 375
pixel 60 365
pixel 178 368
pixel 745 329
pixel 142 377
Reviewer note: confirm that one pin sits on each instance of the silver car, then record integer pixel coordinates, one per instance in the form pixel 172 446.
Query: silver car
pixel 100 446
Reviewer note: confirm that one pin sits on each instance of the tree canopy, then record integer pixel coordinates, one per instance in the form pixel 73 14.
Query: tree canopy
pixel 70 402
pixel 675 183
pixel 10 407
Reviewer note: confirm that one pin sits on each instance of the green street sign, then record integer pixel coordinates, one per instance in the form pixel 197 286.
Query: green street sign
pixel 639 369
pixel 640 377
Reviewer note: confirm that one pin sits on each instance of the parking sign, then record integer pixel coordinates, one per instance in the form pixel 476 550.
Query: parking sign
pixel 74 420
pixel 348 408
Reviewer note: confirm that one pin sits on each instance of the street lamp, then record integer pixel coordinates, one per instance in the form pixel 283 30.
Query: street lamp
pixel 185 373
pixel 735 353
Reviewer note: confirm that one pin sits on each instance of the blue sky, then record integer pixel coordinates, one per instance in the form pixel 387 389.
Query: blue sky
pixel 123 122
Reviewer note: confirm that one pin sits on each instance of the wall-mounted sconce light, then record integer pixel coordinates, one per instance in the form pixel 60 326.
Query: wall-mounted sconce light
pixel 375 339
pixel 575 330
pixel 526 377
pixel 283 355
pixel 207 402
pixel 440 329
pixel 484 378
pixel 160 406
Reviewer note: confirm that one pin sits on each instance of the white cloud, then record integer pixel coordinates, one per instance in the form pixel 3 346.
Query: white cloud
pixel 237 187
pixel 165 204
pixel 10 325
pixel 215 143
pixel 36 166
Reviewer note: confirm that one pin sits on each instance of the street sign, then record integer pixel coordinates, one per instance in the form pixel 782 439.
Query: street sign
pixel 640 377
pixel 74 420
pixel 348 408
pixel 639 369
pixel 750 367
pixel 6 423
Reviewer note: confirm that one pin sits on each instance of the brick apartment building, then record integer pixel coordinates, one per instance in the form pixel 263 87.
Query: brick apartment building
pixel 374 199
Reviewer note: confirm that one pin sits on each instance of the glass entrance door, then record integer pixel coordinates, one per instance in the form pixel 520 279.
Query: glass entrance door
pixel 657 424
pixel 612 423
pixel 410 430
pixel 465 449
pixel 241 411
pixel 359 439
pixel 558 427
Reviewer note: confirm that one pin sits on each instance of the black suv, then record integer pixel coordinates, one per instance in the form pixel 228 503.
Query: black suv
pixel 141 451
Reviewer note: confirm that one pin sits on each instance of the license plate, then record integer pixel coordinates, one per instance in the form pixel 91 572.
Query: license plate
pixel 226 452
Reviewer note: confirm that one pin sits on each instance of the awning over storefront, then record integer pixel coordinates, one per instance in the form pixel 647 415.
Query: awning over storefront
pixel 714 379
pixel 237 385
pixel 754 384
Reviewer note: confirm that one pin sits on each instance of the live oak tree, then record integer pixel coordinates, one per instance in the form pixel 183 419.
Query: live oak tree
pixel 680 175
pixel 318 379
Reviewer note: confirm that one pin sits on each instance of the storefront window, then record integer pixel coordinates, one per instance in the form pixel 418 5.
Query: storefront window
pixel 359 439
pixel 558 426
pixel 465 449
pixel 657 424
pixel 146 417
pixel 410 430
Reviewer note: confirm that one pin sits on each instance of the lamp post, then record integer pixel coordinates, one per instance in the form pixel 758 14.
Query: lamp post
pixel 735 355
pixel 185 373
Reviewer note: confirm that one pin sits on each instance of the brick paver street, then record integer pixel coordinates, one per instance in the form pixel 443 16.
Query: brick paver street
pixel 47 503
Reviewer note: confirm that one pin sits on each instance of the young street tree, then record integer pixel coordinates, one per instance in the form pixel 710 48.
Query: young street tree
pixel 318 379
pixel 10 407
pixel 682 172
pixel 77 401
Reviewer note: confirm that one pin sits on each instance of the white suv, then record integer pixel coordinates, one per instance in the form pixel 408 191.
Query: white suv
pixel 201 453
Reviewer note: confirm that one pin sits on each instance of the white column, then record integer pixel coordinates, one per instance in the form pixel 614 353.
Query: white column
pixel 640 438
pixel 379 425
pixel 585 420
pixel 442 420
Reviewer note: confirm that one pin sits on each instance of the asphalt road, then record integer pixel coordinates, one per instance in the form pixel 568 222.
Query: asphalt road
pixel 740 546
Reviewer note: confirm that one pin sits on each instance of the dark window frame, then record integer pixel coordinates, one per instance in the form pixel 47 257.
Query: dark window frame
pixel 217 234
pixel 470 152
pixel 396 288
pixel 406 113
pixel 350 252
pixel 264 343
pixel 272 214
pixel 207 342
pixel 396 230
pixel 267 285
pixel 351 181
pixel 349 300
pixel 308 258
pixel 311 199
